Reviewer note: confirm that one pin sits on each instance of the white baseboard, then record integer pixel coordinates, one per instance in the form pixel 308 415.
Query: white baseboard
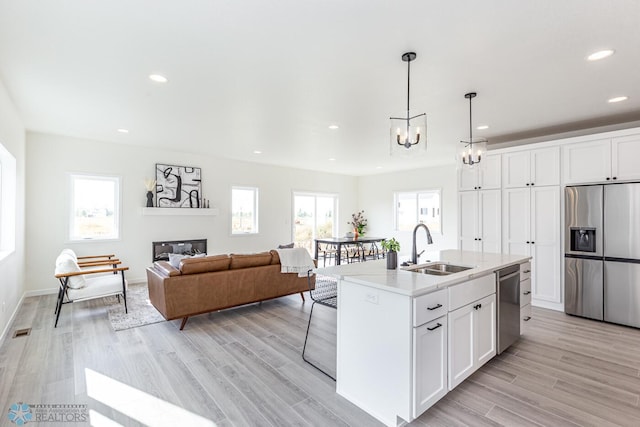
pixel 557 306
pixel 11 319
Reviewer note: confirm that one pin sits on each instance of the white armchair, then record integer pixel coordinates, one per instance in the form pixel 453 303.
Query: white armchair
pixel 84 278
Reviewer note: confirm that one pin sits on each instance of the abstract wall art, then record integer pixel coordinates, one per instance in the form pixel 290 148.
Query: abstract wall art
pixel 178 186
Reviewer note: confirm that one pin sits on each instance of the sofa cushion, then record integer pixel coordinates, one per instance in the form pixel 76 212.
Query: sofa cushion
pixel 287 246
pixel 250 260
pixel 206 264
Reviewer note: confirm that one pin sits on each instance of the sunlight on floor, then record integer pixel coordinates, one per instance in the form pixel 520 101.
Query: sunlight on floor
pixel 134 403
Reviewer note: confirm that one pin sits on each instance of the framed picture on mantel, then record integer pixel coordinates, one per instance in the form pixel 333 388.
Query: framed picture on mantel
pixel 178 186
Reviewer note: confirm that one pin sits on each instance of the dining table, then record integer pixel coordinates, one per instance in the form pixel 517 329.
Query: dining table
pixel 338 242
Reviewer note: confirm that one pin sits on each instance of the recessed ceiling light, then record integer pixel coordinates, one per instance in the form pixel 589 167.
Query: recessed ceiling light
pixel 123 130
pixel 618 99
pixel 331 159
pixel 378 167
pixel 257 152
pixel 601 54
pixel 482 127
pixel 334 127
pixel 158 78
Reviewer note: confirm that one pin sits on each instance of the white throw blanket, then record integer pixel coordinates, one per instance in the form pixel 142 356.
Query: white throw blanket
pixel 295 260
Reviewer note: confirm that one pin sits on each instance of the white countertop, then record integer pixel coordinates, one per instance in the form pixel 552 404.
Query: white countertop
pixel 375 273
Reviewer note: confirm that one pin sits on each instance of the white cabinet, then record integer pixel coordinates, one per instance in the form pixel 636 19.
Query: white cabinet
pixel 484 176
pixel 601 160
pixel 480 220
pixel 429 364
pixel 531 226
pixel 389 341
pixel 472 338
pixel 531 167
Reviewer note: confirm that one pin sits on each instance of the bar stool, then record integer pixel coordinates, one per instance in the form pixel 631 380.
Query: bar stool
pixel 325 292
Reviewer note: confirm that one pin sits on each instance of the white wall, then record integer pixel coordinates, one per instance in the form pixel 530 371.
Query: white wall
pixel 50 158
pixel 375 196
pixel 12 268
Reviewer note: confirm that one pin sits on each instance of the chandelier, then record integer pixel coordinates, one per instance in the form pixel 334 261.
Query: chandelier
pixel 473 149
pixel 409 133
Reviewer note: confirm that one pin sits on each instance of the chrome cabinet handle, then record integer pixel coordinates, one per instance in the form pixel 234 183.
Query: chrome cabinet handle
pixel 435 307
pixel 527 271
pixel 527 292
pixel 435 327
pixel 526 319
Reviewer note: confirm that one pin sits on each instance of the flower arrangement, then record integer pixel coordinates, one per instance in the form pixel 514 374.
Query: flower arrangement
pixel 358 222
pixel 149 184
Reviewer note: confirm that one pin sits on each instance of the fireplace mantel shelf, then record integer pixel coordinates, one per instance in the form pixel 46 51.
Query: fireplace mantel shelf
pixel 181 211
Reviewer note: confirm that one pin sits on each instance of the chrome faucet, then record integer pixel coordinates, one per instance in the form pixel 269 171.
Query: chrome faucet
pixel 414 252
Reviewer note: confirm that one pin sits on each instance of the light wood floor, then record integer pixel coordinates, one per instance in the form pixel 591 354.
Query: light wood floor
pixel 242 367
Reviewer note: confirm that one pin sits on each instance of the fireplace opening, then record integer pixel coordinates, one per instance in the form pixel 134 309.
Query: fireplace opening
pixel 161 250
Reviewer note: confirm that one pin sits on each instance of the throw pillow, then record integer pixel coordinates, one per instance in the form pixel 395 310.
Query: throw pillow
pixel 287 246
pixel 174 259
pixel 66 264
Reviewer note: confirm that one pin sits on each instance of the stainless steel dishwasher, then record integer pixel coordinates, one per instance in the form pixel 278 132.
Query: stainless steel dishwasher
pixel 508 312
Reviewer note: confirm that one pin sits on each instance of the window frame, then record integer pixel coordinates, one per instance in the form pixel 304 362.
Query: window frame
pixel 315 195
pixel 8 202
pixel 417 193
pixel 256 211
pixel 72 176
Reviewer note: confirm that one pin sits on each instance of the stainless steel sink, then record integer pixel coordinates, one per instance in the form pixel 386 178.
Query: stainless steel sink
pixel 439 269
pixel 447 268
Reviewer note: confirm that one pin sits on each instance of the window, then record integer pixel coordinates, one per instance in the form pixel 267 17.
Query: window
pixel 7 202
pixel 244 210
pixel 313 216
pixel 417 207
pixel 95 207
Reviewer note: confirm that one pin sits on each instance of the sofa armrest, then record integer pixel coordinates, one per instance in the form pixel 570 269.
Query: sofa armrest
pixel 164 268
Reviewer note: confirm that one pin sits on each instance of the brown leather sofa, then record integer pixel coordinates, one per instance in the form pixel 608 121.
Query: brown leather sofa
pixel 211 283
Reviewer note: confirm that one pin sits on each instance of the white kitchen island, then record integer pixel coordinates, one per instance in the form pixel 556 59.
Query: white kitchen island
pixel 404 339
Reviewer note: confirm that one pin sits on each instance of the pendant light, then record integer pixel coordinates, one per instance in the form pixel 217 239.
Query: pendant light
pixel 473 150
pixel 409 133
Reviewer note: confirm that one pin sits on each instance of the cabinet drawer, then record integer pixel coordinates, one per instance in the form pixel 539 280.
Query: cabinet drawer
pixel 525 271
pixel 525 317
pixel 430 306
pixel 473 290
pixel 525 292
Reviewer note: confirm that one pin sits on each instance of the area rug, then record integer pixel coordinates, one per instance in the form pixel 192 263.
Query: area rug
pixel 141 312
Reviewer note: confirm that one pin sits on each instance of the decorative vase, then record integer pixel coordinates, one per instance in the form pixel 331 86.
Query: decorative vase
pixel 392 260
pixel 149 199
pixel 355 233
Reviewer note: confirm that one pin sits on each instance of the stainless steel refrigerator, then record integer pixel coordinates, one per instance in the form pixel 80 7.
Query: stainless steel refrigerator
pixel 602 252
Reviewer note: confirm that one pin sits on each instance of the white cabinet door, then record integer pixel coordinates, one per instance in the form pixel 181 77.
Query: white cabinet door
pixel 516 216
pixel 584 162
pixel 429 364
pixel 545 166
pixel 468 220
pixel 625 152
pixel 490 221
pixel 485 330
pixel 461 357
pixel 467 178
pixel 516 172
pixel 490 172
pixel 486 175
pixel 545 243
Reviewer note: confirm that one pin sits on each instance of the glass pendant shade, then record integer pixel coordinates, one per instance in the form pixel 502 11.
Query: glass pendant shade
pixel 408 132
pixel 408 136
pixel 473 149
pixel 471 155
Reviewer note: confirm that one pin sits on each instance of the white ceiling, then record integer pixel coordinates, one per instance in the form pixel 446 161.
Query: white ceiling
pixel 272 76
